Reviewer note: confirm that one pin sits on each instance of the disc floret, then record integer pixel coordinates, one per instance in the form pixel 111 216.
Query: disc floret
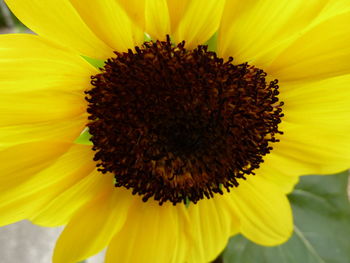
pixel 177 124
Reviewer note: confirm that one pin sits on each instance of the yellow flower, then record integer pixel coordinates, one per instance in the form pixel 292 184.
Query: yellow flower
pixel 173 147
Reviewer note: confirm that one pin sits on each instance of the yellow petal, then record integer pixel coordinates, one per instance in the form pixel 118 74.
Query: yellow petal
pixel 176 9
pixel 60 209
pixel 333 8
pixel 135 9
pixel 66 131
pixel 30 63
pixel 264 211
pixel 324 102
pixel 157 18
pixel 151 234
pixel 276 173
pixel 37 81
pixel 22 188
pixel 110 22
pixel 256 31
pixel 93 226
pixel 199 22
pixel 211 224
pixel 310 149
pixel 321 52
pixel 316 127
pixel 57 20
pixel 37 187
pixel 40 85
pixel 36 107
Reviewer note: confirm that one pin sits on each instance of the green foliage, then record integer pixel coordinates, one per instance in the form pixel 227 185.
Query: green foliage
pixel 322 227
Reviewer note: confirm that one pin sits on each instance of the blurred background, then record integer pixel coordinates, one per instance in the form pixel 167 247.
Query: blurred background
pixel 8 22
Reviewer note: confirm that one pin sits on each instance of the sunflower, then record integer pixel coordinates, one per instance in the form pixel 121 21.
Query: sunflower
pixel 169 147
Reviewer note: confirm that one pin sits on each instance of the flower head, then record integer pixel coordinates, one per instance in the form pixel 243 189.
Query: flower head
pixel 188 144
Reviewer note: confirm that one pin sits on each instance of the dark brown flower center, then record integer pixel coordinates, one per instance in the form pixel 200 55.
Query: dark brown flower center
pixel 179 125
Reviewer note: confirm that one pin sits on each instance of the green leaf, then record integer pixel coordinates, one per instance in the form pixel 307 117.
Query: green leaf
pixel 322 227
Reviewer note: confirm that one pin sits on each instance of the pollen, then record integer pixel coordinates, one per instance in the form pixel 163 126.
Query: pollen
pixel 180 125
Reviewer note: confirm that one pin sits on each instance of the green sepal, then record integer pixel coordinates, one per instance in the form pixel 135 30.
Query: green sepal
pixel 84 138
pixel 212 43
pixel 97 63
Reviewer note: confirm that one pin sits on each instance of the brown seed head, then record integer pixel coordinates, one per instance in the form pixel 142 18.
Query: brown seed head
pixel 177 124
